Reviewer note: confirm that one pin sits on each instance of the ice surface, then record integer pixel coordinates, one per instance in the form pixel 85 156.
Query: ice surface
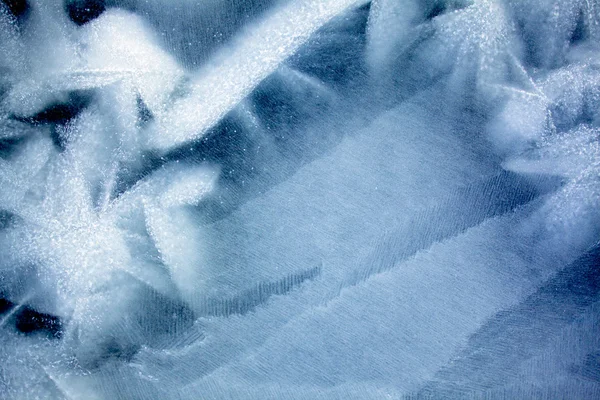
pixel 233 73
pixel 299 199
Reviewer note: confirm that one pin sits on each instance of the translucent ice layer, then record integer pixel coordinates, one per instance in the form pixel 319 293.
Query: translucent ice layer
pixel 299 199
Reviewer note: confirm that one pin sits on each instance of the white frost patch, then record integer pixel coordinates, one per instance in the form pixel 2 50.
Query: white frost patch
pixel 233 73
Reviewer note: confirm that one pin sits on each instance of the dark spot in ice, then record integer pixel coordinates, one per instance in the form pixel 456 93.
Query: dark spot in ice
pixel 7 219
pixel 590 368
pixel 5 306
pixel 114 350
pixel 60 113
pixel 18 8
pixel 442 7
pixel 30 321
pixel 331 54
pixel 579 33
pixel 9 145
pixel 144 113
pixel 437 10
pixel 83 11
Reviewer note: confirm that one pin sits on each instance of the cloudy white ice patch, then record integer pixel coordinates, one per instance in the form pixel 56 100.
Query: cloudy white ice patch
pixel 299 199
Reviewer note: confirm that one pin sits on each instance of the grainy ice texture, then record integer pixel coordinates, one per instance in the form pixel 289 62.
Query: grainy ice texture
pixel 299 199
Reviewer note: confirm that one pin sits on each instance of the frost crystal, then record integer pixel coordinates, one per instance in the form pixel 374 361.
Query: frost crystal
pixel 299 199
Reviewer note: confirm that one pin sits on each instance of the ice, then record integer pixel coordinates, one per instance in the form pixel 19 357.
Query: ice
pixel 21 170
pixel 335 199
pixel 233 73
pixel 119 42
pixel 406 326
pixel 177 240
pixel 549 27
pixel 521 328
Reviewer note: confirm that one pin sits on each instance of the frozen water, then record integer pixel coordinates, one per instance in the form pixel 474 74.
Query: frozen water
pixel 299 199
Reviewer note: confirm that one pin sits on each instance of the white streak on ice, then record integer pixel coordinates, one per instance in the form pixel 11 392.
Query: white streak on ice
pixel 233 73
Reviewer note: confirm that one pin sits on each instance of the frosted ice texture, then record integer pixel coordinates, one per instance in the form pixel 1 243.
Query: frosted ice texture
pixel 299 199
